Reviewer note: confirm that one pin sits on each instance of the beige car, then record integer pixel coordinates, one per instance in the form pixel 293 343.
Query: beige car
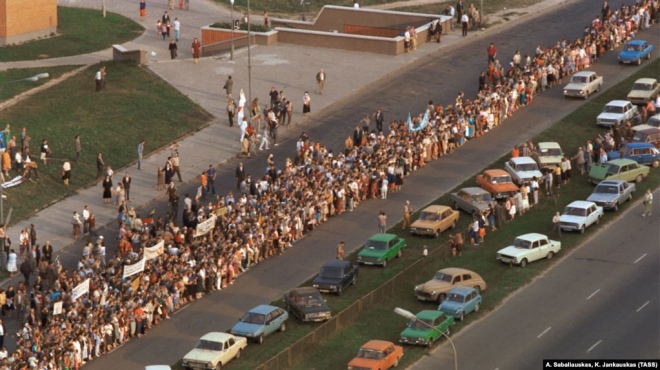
pixel 433 220
pixel 443 281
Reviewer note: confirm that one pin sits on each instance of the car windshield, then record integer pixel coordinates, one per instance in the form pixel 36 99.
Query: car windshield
pixel 309 300
pixel 551 152
pixel 574 211
pixel 453 297
pixel 333 272
pixel 500 179
pixel 483 197
pixel 634 48
pixel 642 87
pixel 612 169
pixel 429 216
pixel 527 167
pixel 420 324
pixel 579 79
pixel 254 318
pixel 443 277
pixel 209 345
pixel 606 189
pixel 522 243
pixel 370 354
pixel 612 109
pixel 376 244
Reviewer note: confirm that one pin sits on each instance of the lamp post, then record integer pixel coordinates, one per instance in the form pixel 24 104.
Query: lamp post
pixel 410 316
pixel 249 59
pixel 231 51
pixel 34 78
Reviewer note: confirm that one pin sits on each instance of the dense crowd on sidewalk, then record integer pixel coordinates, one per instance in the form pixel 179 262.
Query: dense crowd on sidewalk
pixel 265 215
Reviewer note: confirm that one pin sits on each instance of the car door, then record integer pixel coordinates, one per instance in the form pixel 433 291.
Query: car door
pixel 591 215
pixel 271 325
pixel 456 281
pixel 388 357
pixel 230 349
pixel 544 248
pixel 622 193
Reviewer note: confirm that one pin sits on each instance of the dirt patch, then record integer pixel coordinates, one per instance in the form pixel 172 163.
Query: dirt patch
pixel 43 56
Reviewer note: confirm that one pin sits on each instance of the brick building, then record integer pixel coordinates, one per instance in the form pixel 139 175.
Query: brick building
pixel 24 20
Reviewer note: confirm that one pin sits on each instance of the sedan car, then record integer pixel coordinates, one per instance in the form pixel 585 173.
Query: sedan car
pixel 548 155
pixel 213 351
pixel 523 170
pixel 472 200
pixel 335 276
pixel 444 280
pixel 498 183
pixel 618 169
pixel 583 84
pixel 260 322
pixel 642 153
pixel 616 113
pixel 529 248
pixel 643 90
pixel 579 215
pixel 427 327
pixel 376 355
pixel 634 51
pixel 610 194
pixel 381 248
pixel 433 220
pixel 307 304
pixel 460 302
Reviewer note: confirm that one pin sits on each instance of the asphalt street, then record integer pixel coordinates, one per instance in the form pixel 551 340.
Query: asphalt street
pixel 601 302
pixel 439 77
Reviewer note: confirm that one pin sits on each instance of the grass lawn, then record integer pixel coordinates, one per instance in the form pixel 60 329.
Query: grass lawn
pixel 135 105
pixel 80 31
pixel 380 322
pixel 18 87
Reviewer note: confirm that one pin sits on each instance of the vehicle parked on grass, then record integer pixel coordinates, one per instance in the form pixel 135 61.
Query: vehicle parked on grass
pixel 335 276
pixel 498 183
pixel 642 153
pixel 529 248
pixel 307 304
pixel 433 220
pixel 583 84
pixel 616 113
pixel 157 367
pixel 579 215
pixel 444 280
pixel 643 90
pixel 634 51
pixel 427 328
pixel 472 200
pixel 376 355
pixel 523 170
pixel 460 302
pixel 380 249
pixel 610 194
pixel 548 155
pixel 260 322
pixel 648 134
pixel 618 169
pixel 213 351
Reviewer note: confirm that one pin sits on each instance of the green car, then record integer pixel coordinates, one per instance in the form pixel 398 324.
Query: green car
pixel 618 169
pixel 381 248
pixel 419 331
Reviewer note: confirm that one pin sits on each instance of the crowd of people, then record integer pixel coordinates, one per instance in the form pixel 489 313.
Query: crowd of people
pixel 265 215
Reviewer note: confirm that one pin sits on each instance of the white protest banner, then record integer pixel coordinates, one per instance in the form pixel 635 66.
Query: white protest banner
pixel 80 290
pixel 155 251
pixel 136 268
pixel 57 308
pixel 203 228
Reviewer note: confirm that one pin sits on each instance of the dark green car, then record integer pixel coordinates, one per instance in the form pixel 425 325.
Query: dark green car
pixel 427 328
pixel 381 248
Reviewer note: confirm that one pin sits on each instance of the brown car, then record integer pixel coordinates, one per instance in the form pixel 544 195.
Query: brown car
pixel 433 220
pixel 445 280
pixel 498 183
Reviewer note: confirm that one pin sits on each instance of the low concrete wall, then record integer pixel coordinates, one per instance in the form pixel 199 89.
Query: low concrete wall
pixel 218 40
pixel 121 53
pixel 370 44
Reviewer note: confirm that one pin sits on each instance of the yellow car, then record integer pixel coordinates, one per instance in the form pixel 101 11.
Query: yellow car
pixel 433 220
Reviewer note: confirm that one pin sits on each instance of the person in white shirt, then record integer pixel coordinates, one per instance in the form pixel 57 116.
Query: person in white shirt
pixel 356 5
pixel 177 29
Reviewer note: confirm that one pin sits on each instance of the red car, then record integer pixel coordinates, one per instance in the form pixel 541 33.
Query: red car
pixel 498 183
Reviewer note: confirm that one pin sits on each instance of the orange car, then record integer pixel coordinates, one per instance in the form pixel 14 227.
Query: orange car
pixel 377 355
pixel 498 183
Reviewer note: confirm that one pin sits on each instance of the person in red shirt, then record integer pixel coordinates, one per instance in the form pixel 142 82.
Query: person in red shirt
pixel 492 52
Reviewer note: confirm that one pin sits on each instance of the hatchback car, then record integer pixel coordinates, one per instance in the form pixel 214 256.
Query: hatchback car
pixel 523 170
pixel 427 328
pixel 376 355
pixel 433 220
pixel 579 215
pixel 335 276
pixel 460 302
pixel 445 280
pixel 616 113
pixel 472 200
pixel 634 51
pixel 213 351
pixel 610 194
pixel 380 249
pixel 260 322
pixel 618 169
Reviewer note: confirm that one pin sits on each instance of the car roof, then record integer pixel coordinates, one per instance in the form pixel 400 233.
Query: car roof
pixel 473 190
pixel 636 42
pixel 646 80
pixel 549 144
pixel 382 237
pixel 621 161
pixel 304 290
pixel 635 145
pixel 580 204
pixel 646 128
pixel 157 367
pixel 337 263
pixel 456 270
pixel 263 309
pixel 531 236
pixel 584 73
pixel 462 290
pixel 519 160
pixel 619 102
pixel 611 182
pixel 428 314
pixel 436 208
pixel 216 336
pixel 497 172
pixel 377 345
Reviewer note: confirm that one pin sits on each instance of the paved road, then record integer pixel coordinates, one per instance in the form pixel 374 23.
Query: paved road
pixel 600 302
pixel 437 77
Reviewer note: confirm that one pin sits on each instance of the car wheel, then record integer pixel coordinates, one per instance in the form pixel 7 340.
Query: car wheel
pixel 430 343
pixel 384 263
pixel 630 197
pixel 477 288
pixel 283 327
pixel 441 297
pixel 639 178
pixel 436 235
pixel 218 366
pixel 400 252
pixel 639 61
pixel 648 56
pixel 616 207
pixel 549 255
pixel 448 331
pixel 396 362
pixel 523 263
pixel 260 339
pixel 460 318
pixel 477 307
pixel 456 206
pixel 655 164
pixel 238 354
pixel 582 229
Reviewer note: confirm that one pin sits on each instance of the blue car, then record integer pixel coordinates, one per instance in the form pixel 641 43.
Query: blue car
pixel 461 301
pixel 261 321
pixel 635 51
pixel 642 153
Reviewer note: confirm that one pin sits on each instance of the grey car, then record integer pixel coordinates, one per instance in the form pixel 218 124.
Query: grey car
pixel 472 200
pixel 610 194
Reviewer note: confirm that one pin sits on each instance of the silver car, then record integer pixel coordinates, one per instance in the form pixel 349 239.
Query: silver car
pixel 610 194
pixel 472 200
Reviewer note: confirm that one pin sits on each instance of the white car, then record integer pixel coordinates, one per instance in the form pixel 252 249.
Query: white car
pixel 643 90
pixel 583 84
pixel 529 248
pixel 615 113
pixel 214 350
pixel 523 170
pixel 548 155
pixel 157 367
pixel 579 215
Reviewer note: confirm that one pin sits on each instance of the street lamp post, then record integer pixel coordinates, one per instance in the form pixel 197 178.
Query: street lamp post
pixel 34 78
pixel 410 316
pixel 231 52
pixel 481 13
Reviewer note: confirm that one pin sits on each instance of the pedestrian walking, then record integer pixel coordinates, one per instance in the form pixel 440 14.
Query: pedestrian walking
pixel 340 251
pixel 307 104
pixel 196 49
pixel 126 182
pixel 320 80
pixel 85 219
pixel 229 85
pixel 176 164
pixel 211 173
pixel 177 29
pixel 492 53
pixel 407 212
pixel 465 22
pixel 173 49
pixel 143 9
pixel 648 203
pixel 556 224
pixel 100 165
pixel 231 110
pixel 140 151
pixel 382 222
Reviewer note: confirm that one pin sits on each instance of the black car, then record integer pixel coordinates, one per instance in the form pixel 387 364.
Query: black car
pixel 307 304
pixel 335 276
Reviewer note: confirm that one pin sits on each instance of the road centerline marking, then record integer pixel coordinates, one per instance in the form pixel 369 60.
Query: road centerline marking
pixel 642 306
pixel 593 294
pixel 640 258
pixel 594 346
pixel 544 331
